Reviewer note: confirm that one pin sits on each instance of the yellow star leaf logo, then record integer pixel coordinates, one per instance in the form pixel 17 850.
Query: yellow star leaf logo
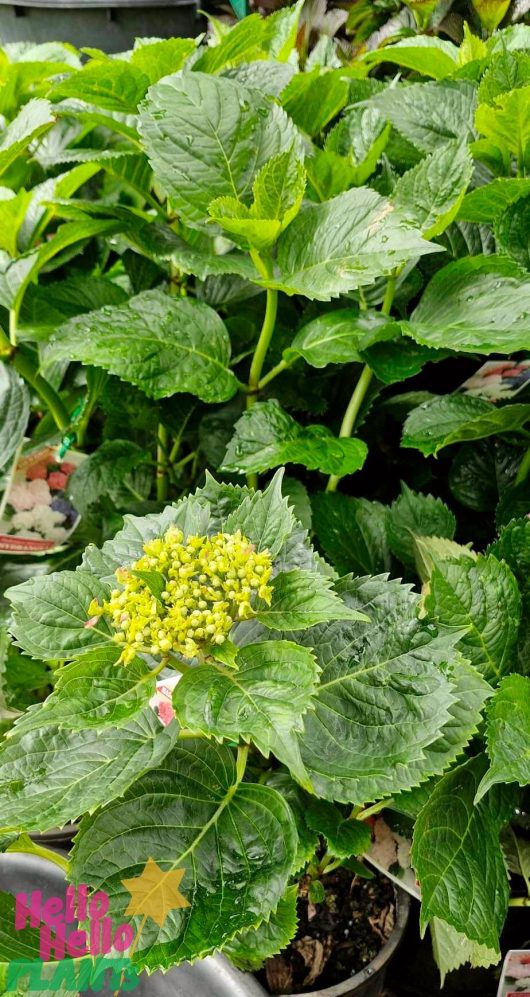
pixel 155 892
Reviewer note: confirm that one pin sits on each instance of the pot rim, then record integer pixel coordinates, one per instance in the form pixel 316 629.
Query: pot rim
pixel 382 958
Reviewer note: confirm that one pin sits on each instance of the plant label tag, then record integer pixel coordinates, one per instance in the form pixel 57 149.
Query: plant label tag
pixel 36 513
pixel 515 979
pixel 389 853
pixel 162 701
pixel 498 379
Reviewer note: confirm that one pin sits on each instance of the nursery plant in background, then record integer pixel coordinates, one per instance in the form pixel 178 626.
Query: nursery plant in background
pixel 221 259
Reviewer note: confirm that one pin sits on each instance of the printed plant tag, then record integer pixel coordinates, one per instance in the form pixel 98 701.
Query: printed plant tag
pixel 162 701
pixel 515 979
pixel 498 379
pixel 389 853
pixel 36 515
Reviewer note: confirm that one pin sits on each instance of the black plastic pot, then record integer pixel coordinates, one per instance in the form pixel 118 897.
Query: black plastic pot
pixel 214 975
pixel 371 980
pixel 110 25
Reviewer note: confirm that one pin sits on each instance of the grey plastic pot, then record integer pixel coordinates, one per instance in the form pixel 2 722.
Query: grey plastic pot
pixel 110 25
pixel 214 975
pixel 371 980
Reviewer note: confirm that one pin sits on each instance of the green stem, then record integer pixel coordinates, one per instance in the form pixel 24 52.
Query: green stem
pixel 524 468
pixel 350 417
pixel 278 369
pixel 262 346
pixel 359 392
pixel 519 902
pixel 185 460
pixel 29 847
pixel 373 810
pixel 13 326
pixel 46 393
pixel 162 463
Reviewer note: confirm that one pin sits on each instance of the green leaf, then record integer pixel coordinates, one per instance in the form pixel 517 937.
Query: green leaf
pixel 485 204
pixel 482 471
pixel 249 950
pixel 420 515
pixel 161 244
pixel 481 596
pixel 314 98
pixel 344 837
pixel 49 305
pixel 281 30
pixel 297 798
pixel 507 124
pixel 393 357
pixel 517 852
pixel 479 304
pixel 508 734
pixel 160 343
pixel 301 599
pixel 430 194
pixel 93 692
pixel 208 137
pixel 113 85
pixel 265 517
pixel 242 43
pixel 385 697
pixel 430 56
pixel 50 776
pixel 335 337
pixel 507 71
pixel 278 191
pixel 343 244
pixel 430 550
pixel 13 208
pixel 51 614
pixel 352 532
pixel 458 859
pixel 266 436
pixel 113 470
pixel 234 840
pixel 14 412
pixel 329 174
pixel 160 58
pixel 32 120
pixel 513 546
pixel 430 114
pixel 511 232
pixel 449 419
pixel 262 701
pixel 452 949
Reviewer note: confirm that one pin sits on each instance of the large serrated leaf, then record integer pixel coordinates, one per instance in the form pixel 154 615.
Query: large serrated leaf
pixel 414 514
pixel 481 596
pixel 94 691
pixel 160 343
pixel 249 949
pixel 50 614
pixel 448 419
pixel 430 194
pixel 343 244
pixel 479 304
pixel 113 85
pixel 33 120
pixel 359 742
pixel 426 55
pixel 50 776
pixel 430 114
pixel 208 137
pixel 508 734
pixel 352 532
pixel 262 700
pixel 266 436
pixel 335 337
pixel 235 842
pixel 301 599
pixel 457 855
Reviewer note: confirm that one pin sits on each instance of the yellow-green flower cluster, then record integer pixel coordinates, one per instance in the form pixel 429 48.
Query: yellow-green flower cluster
pixel 203 585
